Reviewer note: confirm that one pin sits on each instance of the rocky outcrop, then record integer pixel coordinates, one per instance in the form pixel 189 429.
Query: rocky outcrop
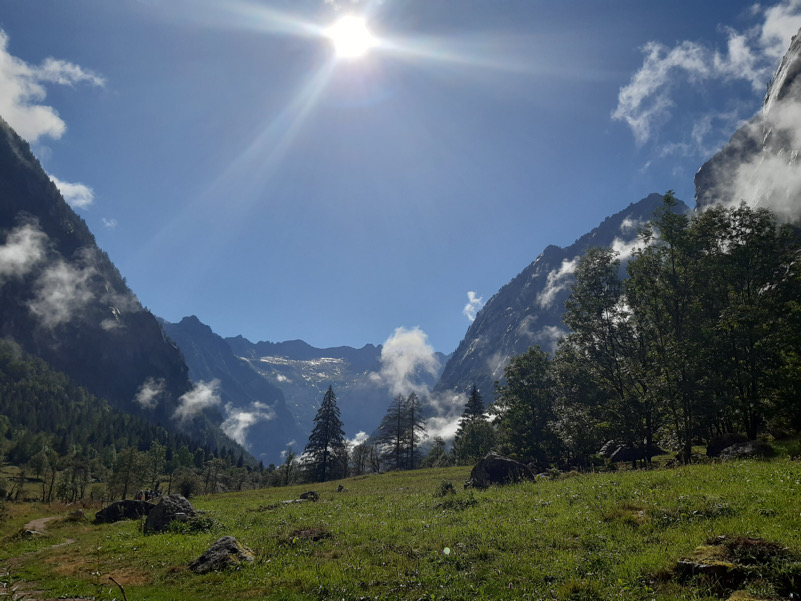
pixel 169 509
pixel 497 469
pixel 127 509
pixel 225 554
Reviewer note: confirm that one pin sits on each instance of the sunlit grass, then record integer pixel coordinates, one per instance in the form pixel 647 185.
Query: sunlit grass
pixel 595 536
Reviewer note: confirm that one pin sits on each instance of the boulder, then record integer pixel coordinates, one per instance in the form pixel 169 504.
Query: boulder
pixel 224 554
pixel 497 469
pixel 724 441
pixel 748 450
pixel 126 509
pixel 621 451
pixel 170 508
pixel 310 496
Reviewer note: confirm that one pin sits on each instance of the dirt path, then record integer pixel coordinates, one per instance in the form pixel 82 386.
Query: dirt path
pixel 23 590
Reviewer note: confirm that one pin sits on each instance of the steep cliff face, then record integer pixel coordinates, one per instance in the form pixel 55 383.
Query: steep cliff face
pixel 528 310
pixel 61 298
pixel 760 164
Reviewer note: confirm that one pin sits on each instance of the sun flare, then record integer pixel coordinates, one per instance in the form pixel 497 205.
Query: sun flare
pixel 350 37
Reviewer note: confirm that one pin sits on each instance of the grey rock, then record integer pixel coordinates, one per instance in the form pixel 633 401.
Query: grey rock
pixel 310 496
pixel 497 469
pixel 748 450
pixel 127 509
pixel 226 553
pixel 724 441
pixel 170 508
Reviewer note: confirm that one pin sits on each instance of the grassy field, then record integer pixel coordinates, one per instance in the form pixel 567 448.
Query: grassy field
pixel 611 535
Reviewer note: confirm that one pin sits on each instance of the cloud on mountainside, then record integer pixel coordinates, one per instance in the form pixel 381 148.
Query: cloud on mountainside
pixel 24 248
pixel 150 392
pixel 238 421
pixel 473 306
pixel 202 395
pixel 62 291
pixel 558 280
pixel 404 355
pixel 78 196
pixel 645 103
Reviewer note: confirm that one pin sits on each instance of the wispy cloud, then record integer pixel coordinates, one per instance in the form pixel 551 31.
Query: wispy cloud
pixel 61 292
pixel 646 102
pixel 150 393
pixel 109 223
pixel 473 306
pixel 202 395
pixel 24 248
pixel 558 280
pixel 78 196
pixel 404 356
pixel 238 421
pixel 22 92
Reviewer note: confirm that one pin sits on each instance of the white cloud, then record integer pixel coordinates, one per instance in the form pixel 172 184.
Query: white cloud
pixel 202 395
pixel 109 223
pixel 78 196
pixel 61 292
pixel 444 427
pixel 549 336
pixel 150 392
pixel 473 306
pixel 626 249
pixel 404 355
pixel 558 280
pixel 24 248
pixel 238 421
pixel 22 92
pixel 360 438
pixel 646 101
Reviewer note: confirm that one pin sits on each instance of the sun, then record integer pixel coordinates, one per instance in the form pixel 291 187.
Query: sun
pixel 350 37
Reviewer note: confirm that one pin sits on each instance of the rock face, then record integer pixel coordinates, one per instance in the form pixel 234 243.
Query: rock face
pixel 753 449
pixel 724 441
pixel 127 509
pixel 225 554
pixel 170 508
pixel 760 163
pixel 497 469
pixel 67 303
pixel 528 310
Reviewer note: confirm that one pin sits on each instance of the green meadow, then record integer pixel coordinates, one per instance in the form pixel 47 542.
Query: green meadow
pixel 404 535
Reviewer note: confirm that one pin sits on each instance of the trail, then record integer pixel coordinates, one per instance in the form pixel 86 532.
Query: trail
pixel 23 590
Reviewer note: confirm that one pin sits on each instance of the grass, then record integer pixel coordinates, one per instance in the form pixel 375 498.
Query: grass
pixel 398 536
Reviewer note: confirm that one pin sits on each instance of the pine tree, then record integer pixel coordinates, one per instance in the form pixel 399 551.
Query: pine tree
pixel 326 450
pixel 393 430
pixel 415 428
pixel 475 436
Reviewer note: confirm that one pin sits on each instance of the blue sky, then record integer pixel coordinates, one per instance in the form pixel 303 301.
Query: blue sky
pixel 234 168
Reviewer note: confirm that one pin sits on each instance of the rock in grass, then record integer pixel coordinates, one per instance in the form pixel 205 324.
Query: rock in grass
pixel 310 496
pixel 748 450
pixel 226 553
pixel 497 469
pixel 170 508
pixel 127 509
pixel 722 442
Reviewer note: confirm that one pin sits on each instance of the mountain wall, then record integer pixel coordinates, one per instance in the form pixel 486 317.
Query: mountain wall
pixel 759 165
pixel 62 299
pixel 528 310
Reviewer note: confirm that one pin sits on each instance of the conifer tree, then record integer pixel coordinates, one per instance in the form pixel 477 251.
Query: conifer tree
pixel 475 436
pixel 326 450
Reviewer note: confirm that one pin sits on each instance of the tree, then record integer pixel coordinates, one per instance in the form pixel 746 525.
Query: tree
pixel 524 406
pixel 392 433
pixel 475 436
pixel 326 450
pixel 415 429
